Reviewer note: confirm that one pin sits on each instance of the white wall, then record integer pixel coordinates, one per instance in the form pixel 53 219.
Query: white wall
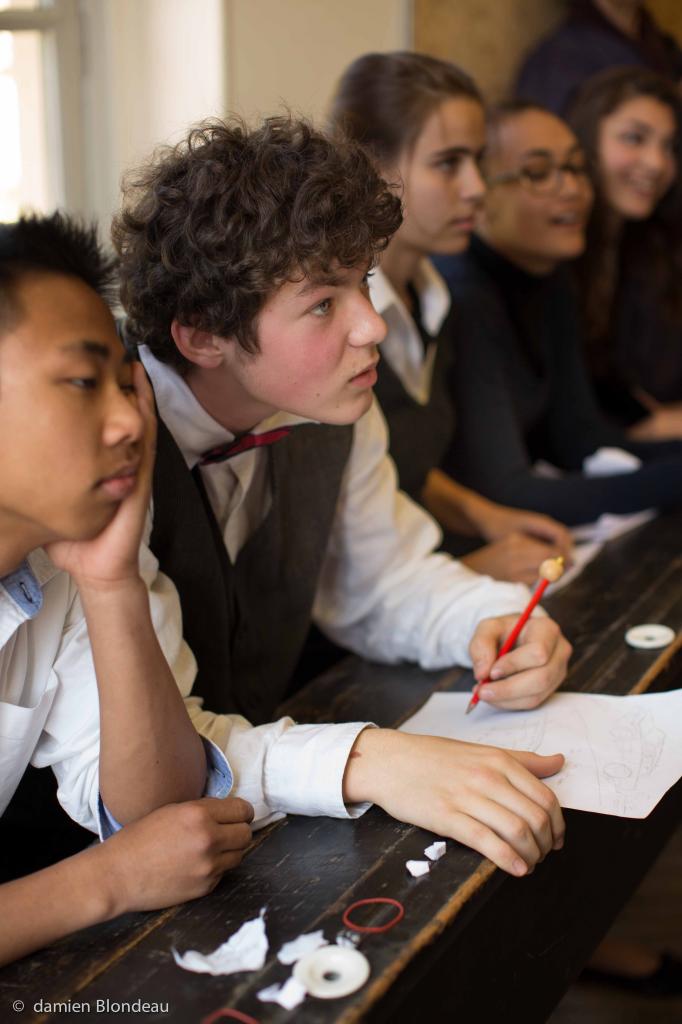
pixel 153 67
pixel 293 51
pixel 150 69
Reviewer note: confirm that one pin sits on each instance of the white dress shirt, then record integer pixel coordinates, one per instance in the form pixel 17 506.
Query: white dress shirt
pixel 49 704
pixel 49 710
pixel 403 348
pixel 383 592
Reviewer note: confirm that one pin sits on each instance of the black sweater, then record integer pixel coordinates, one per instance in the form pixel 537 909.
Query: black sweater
pixel 642 349
pixel 521 392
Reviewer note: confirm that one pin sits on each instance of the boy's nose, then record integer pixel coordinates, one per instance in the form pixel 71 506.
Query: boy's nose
pixel 369 328
pixel 124 421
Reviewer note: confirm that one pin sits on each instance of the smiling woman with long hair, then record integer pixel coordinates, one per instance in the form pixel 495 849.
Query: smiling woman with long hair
pixel 630 122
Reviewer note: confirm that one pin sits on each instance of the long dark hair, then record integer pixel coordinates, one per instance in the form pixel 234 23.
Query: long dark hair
pixel 383 99
pixel 649 251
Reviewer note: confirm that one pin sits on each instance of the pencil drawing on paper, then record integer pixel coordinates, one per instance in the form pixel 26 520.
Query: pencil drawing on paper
pixel 621 753
pixel 528 733
pixel 525 734
pixel 639 745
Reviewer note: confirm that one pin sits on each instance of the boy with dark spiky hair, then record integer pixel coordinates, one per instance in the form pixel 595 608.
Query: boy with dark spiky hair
pixel 244 256
pixel 84 685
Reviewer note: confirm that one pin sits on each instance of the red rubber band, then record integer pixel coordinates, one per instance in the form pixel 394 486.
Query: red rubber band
pixel 232 1014
pixel 378 928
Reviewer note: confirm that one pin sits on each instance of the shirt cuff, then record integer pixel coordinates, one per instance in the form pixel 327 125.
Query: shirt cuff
pixel 219 777
pixel 219 780
pixel 304 770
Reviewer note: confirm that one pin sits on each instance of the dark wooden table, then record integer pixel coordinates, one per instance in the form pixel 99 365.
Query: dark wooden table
pixel 474 945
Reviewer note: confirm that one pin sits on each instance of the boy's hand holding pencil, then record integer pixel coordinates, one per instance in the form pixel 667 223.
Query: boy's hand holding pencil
pixel 521 677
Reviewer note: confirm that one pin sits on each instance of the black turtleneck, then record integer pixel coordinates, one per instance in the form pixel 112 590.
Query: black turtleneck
pixel 522 393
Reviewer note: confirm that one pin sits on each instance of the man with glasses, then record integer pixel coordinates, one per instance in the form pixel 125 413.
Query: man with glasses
pixel 519 383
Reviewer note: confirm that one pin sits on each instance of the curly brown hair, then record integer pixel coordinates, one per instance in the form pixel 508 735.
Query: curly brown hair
pixel 210 228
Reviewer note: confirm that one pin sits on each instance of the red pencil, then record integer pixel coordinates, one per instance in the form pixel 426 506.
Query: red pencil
pixel 550 571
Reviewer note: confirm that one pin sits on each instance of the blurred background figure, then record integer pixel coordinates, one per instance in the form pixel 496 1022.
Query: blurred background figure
pixel 520 385
pixel 629 121
pixel 596 34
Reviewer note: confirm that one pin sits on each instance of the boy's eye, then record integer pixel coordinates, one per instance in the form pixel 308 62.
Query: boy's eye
pixel 83 383
pixel 633 138
pixel 322 308
pixel 127 388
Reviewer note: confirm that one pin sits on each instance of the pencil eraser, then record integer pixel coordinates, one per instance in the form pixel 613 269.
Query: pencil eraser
pixel 551 569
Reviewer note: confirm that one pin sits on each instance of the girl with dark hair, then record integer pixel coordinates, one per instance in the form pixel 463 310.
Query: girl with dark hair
pixel 630 122
pixel 423 122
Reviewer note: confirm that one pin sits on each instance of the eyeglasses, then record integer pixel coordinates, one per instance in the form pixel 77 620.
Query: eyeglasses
pixel 544 177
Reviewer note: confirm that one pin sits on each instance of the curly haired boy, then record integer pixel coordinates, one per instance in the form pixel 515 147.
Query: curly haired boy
pixel 244 260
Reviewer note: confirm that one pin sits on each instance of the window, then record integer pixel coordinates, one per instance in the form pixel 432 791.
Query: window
pixel 39 106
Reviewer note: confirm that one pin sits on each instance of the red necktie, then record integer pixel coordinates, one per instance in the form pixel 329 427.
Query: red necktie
pixel 244 443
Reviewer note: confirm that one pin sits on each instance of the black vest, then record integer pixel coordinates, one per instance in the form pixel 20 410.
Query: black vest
pixel 246 623
pixel 419 434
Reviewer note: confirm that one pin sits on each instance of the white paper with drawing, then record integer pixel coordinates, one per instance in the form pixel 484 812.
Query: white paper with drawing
pixel 622 753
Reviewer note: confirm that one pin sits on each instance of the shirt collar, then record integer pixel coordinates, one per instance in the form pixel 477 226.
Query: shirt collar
pixel 24 589
pixel 25 584
pixel 403 349
pixel 434 297
pixel 193 428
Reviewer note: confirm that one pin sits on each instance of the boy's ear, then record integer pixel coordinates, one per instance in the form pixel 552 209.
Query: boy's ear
pixel 199 347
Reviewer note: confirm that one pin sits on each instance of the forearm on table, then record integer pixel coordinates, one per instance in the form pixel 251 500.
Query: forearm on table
pixel 45 906
pixel 576 499
pixel 427 614
pixel 365 776
pixel 150 754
